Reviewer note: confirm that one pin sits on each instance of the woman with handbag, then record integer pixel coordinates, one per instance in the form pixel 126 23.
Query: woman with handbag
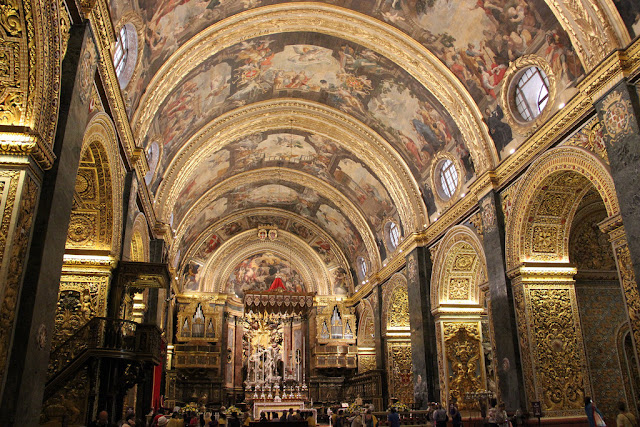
pixel 595 417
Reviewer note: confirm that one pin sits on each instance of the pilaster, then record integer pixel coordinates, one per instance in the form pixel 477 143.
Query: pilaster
pixel 423 332
pixel 501 312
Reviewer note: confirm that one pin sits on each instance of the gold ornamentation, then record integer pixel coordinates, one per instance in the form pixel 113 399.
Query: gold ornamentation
pixel 592 39
pixel 463 351
pixel 591 138
pixel 459 289
pixel 391 43
pixel 550 172
pixel 617 114
pixel 560 367
pixel 400 371
pixel 395 312
pixel 17 253
pixel 459 268
pixel 488 209
pixel 545 239
pixel 324 189
pixel 340 128
pixel 366 362
pixel 80 298
pixel 313 271
pixel 69 402
pixel 630 288
pixel 65 26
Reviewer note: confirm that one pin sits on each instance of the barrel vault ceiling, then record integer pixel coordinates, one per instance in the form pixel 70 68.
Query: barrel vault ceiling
pixel 321 120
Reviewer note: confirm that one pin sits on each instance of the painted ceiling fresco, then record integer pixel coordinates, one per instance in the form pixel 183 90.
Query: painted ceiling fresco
pixel 475 39
pixel 296 198
pixel 258 272
pixel 319 68
pixel 630 13
pixel 308 153
pixel 210 241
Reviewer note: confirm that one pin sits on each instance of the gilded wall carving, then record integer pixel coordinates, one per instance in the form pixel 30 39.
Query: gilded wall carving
pixel 395 309
pixel 80 298
pixel 69 403
pixel 561 379
pixel 630 288
pixel 366 362
pixel 17 256
pixel 30 46
pixel 590 137
pixel 96 217
pixel 400 372
pixel 463 352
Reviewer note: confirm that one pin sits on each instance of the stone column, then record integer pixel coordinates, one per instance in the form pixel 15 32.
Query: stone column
pixel 501 311
pixel 619 113
pixel 423 330
pixel 25 345
pixel 380 343
pixel 626 274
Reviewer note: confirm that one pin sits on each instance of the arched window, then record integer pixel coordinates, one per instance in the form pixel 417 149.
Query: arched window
pixel 448 178
pixel 362 268
pixel 532 93
pixel 122 51
pixel 125 54
pixel 392 232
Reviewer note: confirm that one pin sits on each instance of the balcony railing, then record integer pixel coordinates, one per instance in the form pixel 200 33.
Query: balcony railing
pixel 107 337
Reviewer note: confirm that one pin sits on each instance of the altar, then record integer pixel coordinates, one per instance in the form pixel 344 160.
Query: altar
pixel 275 348
pixel 272 406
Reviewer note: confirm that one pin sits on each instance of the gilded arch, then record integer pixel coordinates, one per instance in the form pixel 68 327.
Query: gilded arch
pixel 139 250
pixel 461 269
pixel 580 166
pixel 96 218
pixel 288 176
pixel 296 252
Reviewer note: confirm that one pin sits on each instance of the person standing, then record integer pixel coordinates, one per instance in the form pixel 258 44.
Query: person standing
pixel 594 416
pixel 393 418
pixel 440 417
pixel 456 417
pixel 625 418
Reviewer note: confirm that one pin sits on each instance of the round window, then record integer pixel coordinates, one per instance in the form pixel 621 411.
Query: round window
pixel 125 54
pixel 531 93
pixel 448 178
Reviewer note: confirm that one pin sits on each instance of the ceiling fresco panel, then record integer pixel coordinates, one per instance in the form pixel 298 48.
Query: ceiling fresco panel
pixel 318 68
pixel 307 153
pixel 292 197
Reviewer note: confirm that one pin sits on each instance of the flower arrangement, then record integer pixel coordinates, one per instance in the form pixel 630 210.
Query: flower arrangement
pixel 355 407
pixel 189 407
pixel 231 409
pixel 399 406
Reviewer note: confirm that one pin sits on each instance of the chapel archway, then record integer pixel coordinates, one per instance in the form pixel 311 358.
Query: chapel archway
pixel 460 306
pixel 566 198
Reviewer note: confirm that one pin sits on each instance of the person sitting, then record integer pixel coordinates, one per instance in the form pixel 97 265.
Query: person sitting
pixel 291 416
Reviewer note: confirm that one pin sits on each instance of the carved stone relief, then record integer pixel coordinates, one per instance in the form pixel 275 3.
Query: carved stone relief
pixel 463 351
